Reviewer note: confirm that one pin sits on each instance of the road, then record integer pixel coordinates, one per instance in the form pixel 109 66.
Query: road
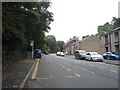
pixel 67 72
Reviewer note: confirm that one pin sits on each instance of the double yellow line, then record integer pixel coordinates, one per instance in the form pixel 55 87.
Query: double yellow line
pixel 35 70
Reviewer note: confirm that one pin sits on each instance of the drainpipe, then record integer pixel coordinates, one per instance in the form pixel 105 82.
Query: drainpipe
pixel 110 42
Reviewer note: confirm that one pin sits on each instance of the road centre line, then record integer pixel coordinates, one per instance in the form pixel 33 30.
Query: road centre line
pixel 63 66
pixel 70 76
pixel 84 69
pixel 68 69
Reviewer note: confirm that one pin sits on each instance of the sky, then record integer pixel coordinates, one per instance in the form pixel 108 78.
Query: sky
pixel 80 17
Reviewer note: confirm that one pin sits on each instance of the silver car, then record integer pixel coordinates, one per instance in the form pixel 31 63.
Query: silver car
pixel 80 54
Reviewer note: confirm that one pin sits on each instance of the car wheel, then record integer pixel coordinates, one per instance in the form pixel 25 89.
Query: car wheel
pixel 114 58
pixel 80 58
pixel 92 59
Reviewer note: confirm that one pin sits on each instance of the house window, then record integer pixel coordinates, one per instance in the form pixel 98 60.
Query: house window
pixel 116 37
pixel 106 39
pixel 117 49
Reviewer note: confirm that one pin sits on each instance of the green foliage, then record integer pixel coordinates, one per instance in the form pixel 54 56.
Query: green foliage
pixel 107 27
pixel 116 22
pixel 23 22
pixel 52 45
pixel 60 45
pixel 102 29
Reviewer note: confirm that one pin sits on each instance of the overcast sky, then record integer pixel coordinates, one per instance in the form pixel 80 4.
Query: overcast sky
pixel 80 17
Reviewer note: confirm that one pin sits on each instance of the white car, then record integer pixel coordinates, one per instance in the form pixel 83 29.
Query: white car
pixel 60 53
pixel 93 56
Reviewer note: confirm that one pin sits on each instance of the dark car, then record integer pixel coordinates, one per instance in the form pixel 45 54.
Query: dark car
pixel 46 53
pixel 37 53
pixel 80 54
pixel 111 56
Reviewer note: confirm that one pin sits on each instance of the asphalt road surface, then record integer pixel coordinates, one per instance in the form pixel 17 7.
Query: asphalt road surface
pixel 67 72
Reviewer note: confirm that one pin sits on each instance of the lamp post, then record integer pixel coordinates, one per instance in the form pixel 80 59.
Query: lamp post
pixel 32 45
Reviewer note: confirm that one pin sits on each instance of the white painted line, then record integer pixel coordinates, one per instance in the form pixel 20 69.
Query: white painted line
pixel 63 66
pixel 68 69
pixel 70 76
pixel 83 68
pixel 87 70
pixel 114 71
pixel 77 74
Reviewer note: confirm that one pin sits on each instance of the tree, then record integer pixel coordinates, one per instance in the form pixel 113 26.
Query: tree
pixel 51 43
pixel 60 45
pixel 23 22
pixel 116 22
pixel 108 26
pixel 102 29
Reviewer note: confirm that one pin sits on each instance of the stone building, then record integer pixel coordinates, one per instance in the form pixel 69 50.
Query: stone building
pixel 91 44
pixel 88 43
pixel 111 41
pixel 69 46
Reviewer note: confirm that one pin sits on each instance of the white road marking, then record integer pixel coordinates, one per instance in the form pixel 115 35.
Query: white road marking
pixel 70 76
pixel 114 71
pixel 68 69
pixel 85 69
pixel 77 74
pixel 63 66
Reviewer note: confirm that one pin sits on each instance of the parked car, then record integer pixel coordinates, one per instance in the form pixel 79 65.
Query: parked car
pixel 80 54
pixel 37 53
pixel 93 56
pixel 46 53
pixel 111 56
pixel 60 53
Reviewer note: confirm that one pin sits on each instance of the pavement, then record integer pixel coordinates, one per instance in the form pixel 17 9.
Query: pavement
pixel 115 62
pixel 14 75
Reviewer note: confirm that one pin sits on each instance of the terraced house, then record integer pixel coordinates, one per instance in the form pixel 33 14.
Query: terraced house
pixel 111 41
pixel 88 43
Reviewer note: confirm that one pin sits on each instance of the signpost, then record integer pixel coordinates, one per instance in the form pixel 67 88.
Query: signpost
pixel 32 45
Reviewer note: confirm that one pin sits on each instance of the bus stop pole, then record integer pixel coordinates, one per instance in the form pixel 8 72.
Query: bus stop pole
pixel 32 44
